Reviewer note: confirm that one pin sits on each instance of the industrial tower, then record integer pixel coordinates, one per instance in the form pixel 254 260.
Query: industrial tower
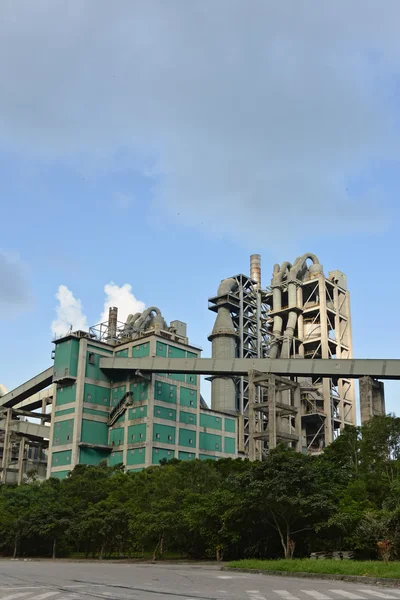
pixel 303 314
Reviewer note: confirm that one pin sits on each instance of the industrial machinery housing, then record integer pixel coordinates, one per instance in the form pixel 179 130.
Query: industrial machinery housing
pixel 129 392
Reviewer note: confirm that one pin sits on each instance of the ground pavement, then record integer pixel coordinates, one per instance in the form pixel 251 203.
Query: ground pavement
pixel 62 580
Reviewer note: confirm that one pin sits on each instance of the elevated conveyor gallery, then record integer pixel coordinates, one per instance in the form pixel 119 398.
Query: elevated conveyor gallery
pixel 349 368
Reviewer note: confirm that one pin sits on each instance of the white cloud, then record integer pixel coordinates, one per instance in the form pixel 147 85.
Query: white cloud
pixel 69 313
pixel 123 298
pixel 256 113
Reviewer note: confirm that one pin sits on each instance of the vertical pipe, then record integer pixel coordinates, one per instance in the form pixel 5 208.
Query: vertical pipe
pixel 255 269
pixel 112 322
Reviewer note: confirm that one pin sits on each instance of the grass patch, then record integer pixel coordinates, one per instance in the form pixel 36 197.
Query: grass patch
pixel 368 568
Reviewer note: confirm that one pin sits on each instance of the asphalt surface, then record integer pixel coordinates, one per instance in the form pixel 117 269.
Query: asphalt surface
pixel 46 580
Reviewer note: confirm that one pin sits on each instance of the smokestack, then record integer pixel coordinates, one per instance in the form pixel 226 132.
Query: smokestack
pixel 255 269
pixel 112 322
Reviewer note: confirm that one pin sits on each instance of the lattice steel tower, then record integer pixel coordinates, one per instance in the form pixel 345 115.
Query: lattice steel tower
pixel 303 314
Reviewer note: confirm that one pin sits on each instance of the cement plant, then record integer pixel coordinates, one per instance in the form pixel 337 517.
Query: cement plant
pixel 282 372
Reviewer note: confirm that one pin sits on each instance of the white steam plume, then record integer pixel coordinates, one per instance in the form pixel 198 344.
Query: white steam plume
pixel 69 313
pixel 123 298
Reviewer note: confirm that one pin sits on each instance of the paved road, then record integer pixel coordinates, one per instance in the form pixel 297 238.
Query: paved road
pixel 93 581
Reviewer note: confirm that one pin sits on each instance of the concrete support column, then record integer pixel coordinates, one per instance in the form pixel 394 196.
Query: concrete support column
pixel 6 447
pixel 271 412
pixel 252 417
pixel 297 404
pixel 21 453
pixel 372 398
pixel 80 384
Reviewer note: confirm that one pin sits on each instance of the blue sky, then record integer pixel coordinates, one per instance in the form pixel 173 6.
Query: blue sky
pixel 158 144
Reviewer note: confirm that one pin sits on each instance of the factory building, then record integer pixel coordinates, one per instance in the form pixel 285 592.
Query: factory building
pixel 134 419
pixel 301 314
pixel 109 400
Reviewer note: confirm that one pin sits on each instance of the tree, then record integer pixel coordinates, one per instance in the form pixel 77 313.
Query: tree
pixel 284 492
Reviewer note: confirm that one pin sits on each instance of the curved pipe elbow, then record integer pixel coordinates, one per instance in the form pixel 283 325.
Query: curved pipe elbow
pixel 226 286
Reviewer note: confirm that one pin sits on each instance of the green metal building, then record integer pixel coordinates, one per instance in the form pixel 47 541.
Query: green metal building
pixel 137 420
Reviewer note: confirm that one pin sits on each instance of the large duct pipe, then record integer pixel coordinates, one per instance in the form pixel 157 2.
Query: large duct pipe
pixel 146 315
pixel 276 282
pixel 112 322
pixel 255 269
pixel 299 267
pixel 223 339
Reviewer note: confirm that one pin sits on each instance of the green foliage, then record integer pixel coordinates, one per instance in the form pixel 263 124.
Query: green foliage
pixel 346 499
pixel 367 568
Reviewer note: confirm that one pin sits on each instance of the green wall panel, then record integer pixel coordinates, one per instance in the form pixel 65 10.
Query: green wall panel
pixel 65 394
pixel 90 456
pixel 165 392
pixel 141 350
pixel 162 412
pixel 230 425
pixel 210 441
pixel 206 457
pixel 187 417
pixel 60 474
pixel 117 394
pixel 177 376
pixel 95 394
pixel 161 349
pixel 93 370
pixel 187 437
pixel 66 358
pixel 93 411
pixel 164 434
pixel 140 391
pixel 159 454
pixel 186 455
pixel 188 397
pixel 63 432
pixel 139 412
pixel 116 436
pixel 61 459
pixel 116 458
pixel 136 433
pixel 176 352
pixel 210 421
pixel 94 432
pixel 122 353
pixel 229 445
pixel 136 456
pixel 67 411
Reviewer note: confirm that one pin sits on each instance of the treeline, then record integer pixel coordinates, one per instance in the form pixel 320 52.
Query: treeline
pixel 347 498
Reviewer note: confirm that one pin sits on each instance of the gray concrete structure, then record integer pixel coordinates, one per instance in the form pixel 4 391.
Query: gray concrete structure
pixel 372 398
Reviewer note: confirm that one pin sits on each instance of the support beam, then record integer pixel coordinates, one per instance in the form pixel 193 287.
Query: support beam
pixel 28 388
pixel 348 368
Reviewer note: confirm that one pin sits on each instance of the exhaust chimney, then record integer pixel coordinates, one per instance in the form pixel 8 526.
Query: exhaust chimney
pixel 112 322
pixel 255 269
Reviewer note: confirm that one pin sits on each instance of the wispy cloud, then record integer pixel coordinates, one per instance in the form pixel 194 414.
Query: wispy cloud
pixel 15 294
pixel 69 313
pixel 256 113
